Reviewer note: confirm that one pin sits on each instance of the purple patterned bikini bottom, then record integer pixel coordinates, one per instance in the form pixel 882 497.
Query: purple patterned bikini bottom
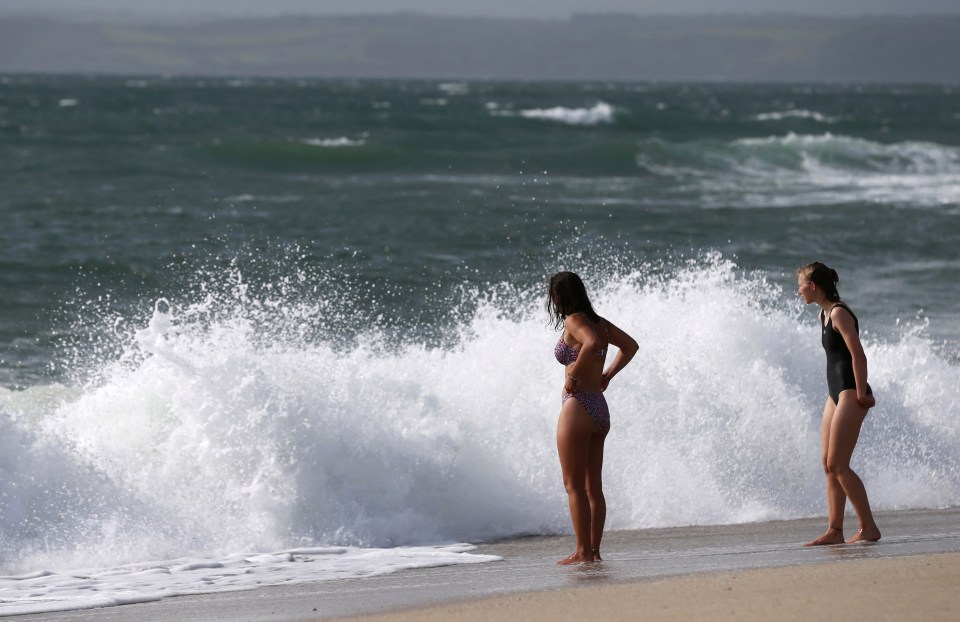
pixel 595 405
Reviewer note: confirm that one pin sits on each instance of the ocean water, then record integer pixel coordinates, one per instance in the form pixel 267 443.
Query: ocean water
pixel 259 331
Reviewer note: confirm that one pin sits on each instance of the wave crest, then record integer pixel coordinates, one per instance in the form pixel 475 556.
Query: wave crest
pixel 600 113
pixel 230 423
pixel 809 170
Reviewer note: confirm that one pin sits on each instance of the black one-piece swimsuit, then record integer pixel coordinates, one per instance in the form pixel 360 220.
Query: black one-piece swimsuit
pixel 839 360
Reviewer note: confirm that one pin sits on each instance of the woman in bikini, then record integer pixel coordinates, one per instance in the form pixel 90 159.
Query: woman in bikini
pixel 847 405
pixel 584 418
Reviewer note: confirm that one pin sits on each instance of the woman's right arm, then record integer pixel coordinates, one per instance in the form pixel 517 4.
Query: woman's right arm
pixel 626 348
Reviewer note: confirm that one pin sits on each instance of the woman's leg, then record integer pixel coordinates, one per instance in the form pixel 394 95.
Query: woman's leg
pixel 836 498
pixel 844 433
pixel 598 503
pixel 574 432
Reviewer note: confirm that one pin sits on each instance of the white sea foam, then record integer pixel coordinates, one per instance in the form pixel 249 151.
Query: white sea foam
pixel 228 429
pixel 796 114
pixel 600 113
pixel 342 141
pixel 454 88
pixel 250 198
pixel 46 591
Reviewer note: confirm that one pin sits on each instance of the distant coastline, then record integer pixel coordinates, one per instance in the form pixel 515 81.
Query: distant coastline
pixel 725 47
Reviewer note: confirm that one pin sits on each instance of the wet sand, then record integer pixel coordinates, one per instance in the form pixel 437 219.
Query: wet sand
pixel 891 589
pixel 674 567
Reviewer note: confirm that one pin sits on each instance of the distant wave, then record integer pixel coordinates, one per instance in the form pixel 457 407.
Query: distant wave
pixel 808 170
pixel 601 113
pixel 351 154
pixel 454 88
pixel 250 198
pixel 796 114
pixel 343 141
pixel 908 156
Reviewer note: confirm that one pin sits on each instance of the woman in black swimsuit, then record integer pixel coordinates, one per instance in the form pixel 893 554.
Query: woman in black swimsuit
pixel 850 399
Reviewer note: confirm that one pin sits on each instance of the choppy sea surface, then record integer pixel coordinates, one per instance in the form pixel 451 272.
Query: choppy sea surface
pixel 262 331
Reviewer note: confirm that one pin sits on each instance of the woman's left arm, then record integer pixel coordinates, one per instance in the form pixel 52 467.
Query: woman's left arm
pixel 843 321
pixel 626 348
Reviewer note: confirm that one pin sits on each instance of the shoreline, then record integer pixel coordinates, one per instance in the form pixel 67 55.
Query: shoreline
pixel 633 561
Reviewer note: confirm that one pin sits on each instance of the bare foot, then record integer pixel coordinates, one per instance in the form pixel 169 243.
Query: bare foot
pixel 596 555
pixel 830 536
pixel 865 535
pixel 576 558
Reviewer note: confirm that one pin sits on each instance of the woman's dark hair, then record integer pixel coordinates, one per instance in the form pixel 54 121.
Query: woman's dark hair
pixel 824 277
pixel 568 296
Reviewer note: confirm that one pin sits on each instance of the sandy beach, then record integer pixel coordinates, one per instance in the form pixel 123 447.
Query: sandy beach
pixel 906 588
pixel 747 571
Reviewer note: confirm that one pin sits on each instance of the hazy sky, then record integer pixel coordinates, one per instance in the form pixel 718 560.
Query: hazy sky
pixel 494 8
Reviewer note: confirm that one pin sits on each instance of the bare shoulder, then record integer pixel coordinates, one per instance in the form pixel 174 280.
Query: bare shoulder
pixel 842 316
pixel 845 323
pixel 575 320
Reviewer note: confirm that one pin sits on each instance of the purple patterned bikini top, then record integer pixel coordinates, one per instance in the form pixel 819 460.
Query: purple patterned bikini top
pixel 568 354
pixel 565 354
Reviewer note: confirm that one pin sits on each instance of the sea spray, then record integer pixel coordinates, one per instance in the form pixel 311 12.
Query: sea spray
pixel 229 424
